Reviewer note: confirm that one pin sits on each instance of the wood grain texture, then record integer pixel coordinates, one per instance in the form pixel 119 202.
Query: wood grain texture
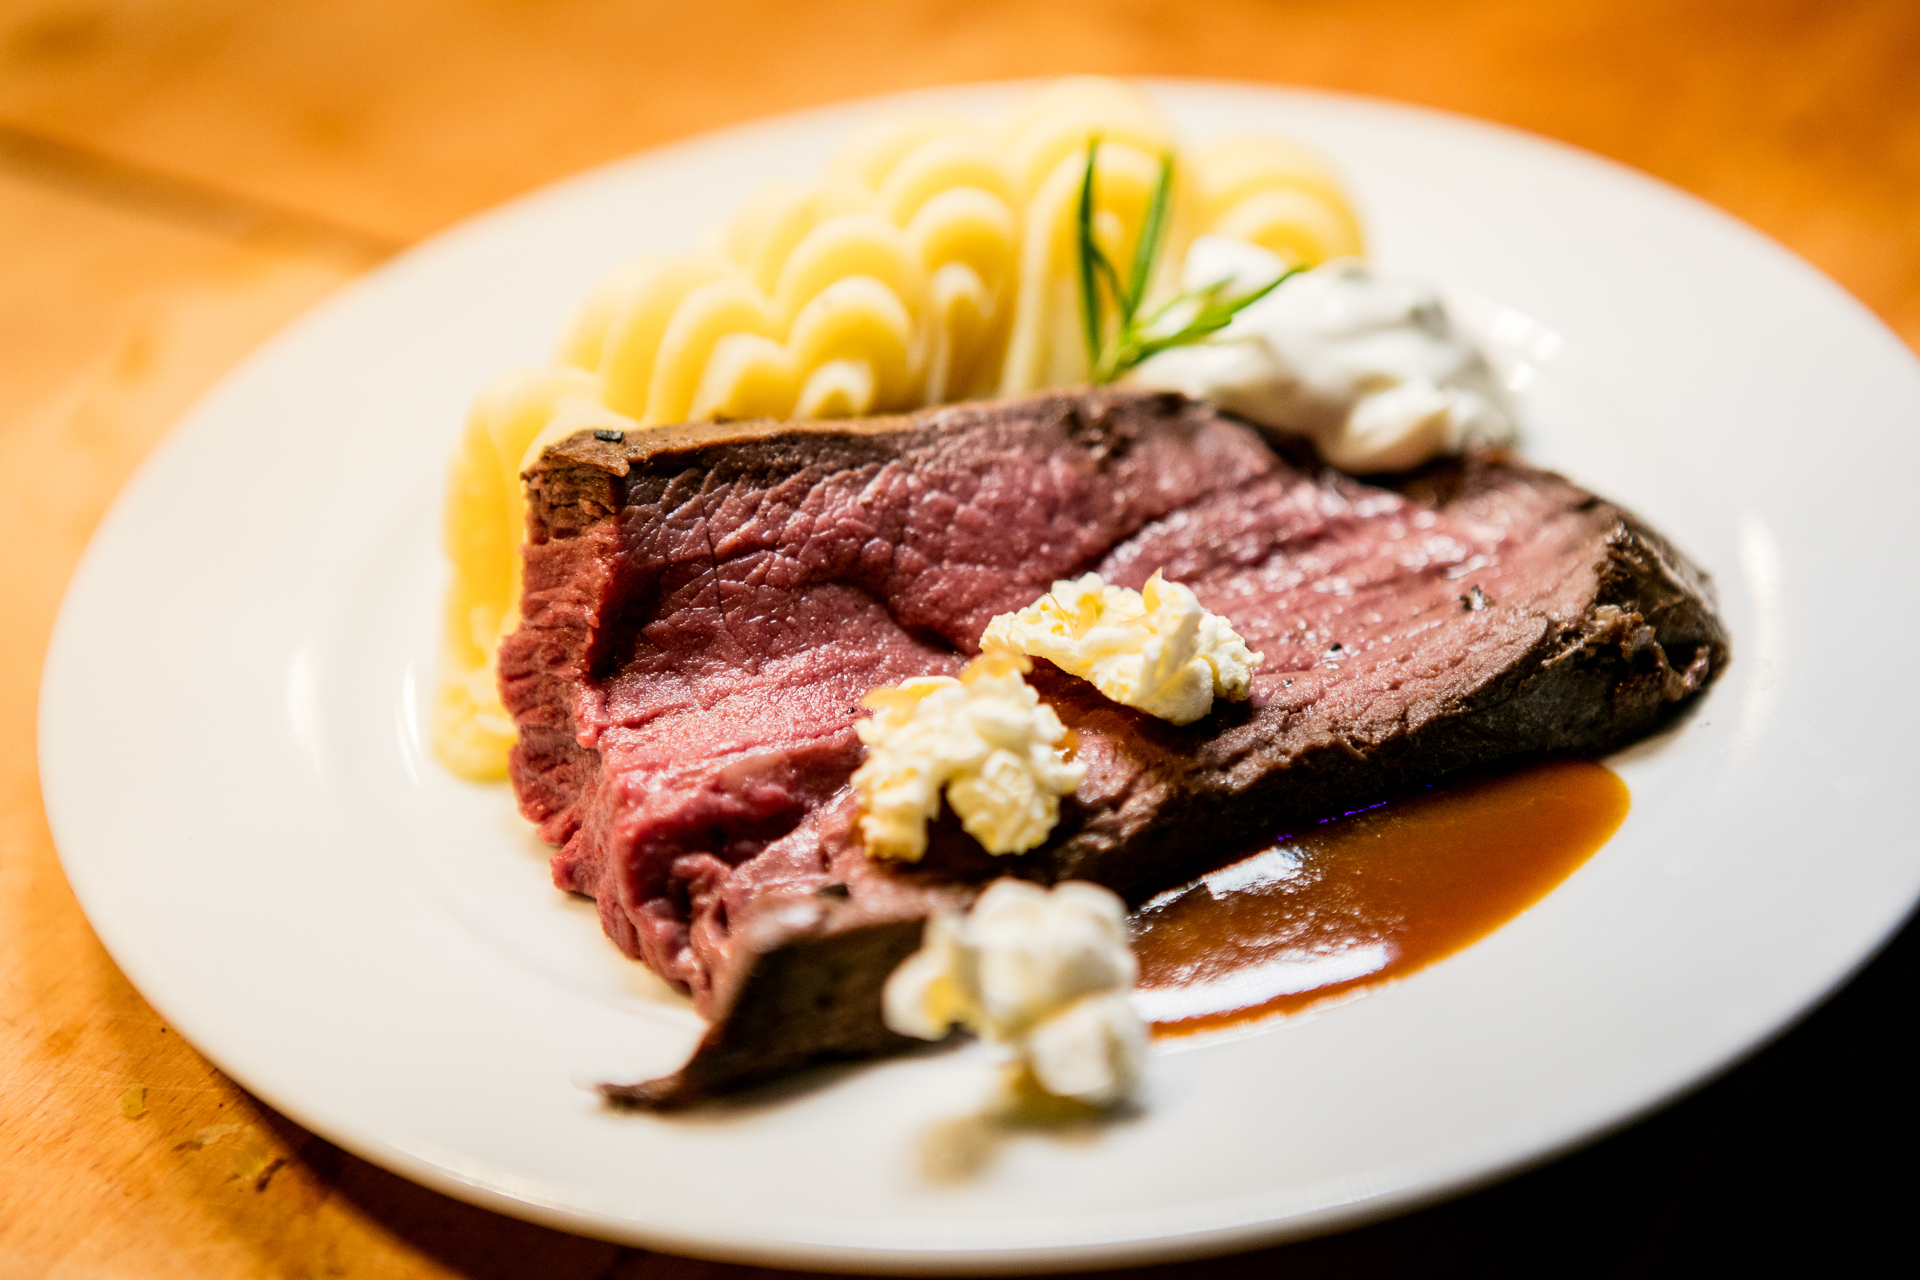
pixel 122 1151
pixel 1802 118
pixel 178 179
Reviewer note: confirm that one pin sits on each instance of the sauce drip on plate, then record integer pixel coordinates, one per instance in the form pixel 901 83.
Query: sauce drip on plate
pixel 1367 897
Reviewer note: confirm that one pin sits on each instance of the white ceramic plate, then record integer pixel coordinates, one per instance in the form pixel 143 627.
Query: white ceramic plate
pixel 231 752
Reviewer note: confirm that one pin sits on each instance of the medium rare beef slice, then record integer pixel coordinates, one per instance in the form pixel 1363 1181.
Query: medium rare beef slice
pixel 705 609
pixel 1488 612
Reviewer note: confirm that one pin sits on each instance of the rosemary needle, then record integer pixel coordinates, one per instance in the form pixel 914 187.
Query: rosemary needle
pixel 1134 337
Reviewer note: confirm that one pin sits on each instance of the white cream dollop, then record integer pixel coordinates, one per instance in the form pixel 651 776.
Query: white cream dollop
pixel 1367 365
pixel 986 739
pixel 1046 972
pixel 1157 649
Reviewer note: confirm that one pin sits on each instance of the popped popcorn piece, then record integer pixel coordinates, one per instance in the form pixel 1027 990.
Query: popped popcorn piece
pixel 1045 972
pixel 1094 1050
pixel 1156 649
pixel 986 739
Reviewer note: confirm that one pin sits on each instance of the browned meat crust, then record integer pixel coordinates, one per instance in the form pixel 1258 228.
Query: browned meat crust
pixel 705 607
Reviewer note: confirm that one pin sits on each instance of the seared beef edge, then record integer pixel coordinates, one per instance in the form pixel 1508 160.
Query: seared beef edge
pixel 1646 642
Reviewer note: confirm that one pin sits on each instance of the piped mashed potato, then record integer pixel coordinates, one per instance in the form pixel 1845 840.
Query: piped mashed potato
pixel 1046 972
pixel 934 261
pixel 1368 365
pixel 985 740
pixel 1157 649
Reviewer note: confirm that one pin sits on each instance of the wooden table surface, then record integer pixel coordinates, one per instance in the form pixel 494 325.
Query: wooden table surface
pixel 178 180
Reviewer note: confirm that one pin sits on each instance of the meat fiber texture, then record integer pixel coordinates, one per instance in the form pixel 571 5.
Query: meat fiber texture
pixel 705 607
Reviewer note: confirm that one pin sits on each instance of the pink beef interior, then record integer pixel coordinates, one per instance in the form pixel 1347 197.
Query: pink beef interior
pixel 704 612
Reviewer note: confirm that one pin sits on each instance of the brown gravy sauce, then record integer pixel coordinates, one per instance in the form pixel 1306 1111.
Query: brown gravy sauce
pixel 1369 897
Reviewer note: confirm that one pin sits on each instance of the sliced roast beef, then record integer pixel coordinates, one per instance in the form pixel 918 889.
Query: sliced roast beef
pixel 705 607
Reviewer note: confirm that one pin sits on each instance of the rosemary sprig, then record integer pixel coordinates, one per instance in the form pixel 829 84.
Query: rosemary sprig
pixel 1135 337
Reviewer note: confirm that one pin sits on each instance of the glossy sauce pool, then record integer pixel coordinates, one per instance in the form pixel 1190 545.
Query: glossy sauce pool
pixel 1368 897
